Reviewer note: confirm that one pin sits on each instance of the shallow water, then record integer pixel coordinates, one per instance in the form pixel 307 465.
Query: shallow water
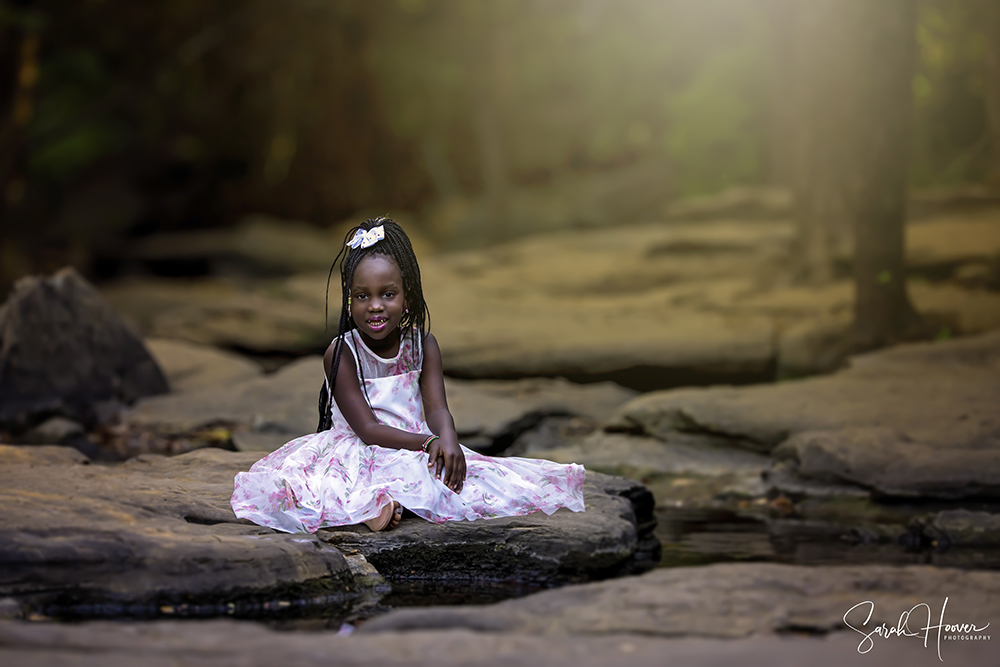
pixel 693 536
pixel 700 536
pixel 689 535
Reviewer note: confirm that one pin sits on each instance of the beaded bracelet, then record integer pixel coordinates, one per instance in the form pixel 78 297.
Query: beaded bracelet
pixel 428 441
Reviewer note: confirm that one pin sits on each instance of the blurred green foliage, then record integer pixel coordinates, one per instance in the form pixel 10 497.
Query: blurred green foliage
pixel 950 131
pixel 332 107
pixel 586 85
pixel 71 79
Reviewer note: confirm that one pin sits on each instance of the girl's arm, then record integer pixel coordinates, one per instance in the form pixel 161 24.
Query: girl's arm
pixel 445 452
pixel 356 410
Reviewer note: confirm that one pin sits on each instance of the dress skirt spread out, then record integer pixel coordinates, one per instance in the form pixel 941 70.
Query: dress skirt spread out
pixel 332 478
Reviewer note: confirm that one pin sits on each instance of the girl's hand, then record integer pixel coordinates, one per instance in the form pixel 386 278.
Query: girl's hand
pixel 445 456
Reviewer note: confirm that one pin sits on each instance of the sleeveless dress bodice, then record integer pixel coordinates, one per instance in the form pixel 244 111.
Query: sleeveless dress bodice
pixel 392 386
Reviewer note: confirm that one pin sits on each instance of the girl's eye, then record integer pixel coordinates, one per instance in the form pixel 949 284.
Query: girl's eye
pixel 389 295
pixel 361 297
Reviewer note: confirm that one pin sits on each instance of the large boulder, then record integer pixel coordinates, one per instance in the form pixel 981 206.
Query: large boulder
pixel 64 350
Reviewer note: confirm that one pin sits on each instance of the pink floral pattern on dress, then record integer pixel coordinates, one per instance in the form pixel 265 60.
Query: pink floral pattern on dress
pixel 332 478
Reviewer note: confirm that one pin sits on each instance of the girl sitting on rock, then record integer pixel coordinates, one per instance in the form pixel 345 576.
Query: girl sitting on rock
pixel 387 440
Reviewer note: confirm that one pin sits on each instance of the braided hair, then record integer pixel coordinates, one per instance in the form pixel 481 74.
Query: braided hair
pixel 416 319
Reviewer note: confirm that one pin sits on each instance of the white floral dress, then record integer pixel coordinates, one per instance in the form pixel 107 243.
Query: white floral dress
pixel 332 478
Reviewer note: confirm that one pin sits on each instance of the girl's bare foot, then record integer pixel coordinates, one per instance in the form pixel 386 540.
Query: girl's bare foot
pixel 397 516
pixel 387 519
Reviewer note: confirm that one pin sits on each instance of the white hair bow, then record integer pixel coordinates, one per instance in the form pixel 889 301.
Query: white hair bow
pixel 364 239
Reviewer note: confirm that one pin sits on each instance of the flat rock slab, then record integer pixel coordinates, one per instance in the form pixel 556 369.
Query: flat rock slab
pixel 964 528
pixel 678 472
pixel 158 530
pixel 222 643
pixel 726 601
pixel 612 537
pixel 282 404
pixel 491 414
pixel 951 239
pixel 189 366
pixel 41 455
pixel 151 531
pixel 644 269
pixel 267 316
pixel 267 411
pixel 616 453
pixel 915 420
pixel 648 306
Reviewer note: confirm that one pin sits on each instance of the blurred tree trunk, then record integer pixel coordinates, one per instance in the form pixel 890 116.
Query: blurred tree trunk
pixel 879 135
pixel 492 93
pixel 780 84
pixel 14 124
pixel 21 69
pixel 991 28
pixel 433 149
pixel 822 82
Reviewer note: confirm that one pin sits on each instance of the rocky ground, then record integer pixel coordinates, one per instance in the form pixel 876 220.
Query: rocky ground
pixel 754 614
pixel 223 643
pixel 893 459
pixel 157 533
pixel 649 306
pixel 827 457
pixel 881 476
pixel 222 397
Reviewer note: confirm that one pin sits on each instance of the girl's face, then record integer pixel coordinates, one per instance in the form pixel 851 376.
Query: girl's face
pixel 377 299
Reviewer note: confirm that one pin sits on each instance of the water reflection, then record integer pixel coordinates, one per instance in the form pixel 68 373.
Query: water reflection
pixel 700 536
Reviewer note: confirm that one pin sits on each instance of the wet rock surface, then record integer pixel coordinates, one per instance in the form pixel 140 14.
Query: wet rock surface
pixel 963 528
pixel 916 420
pixel 224 642
pixel 614 536
pixel 153 531
pixel 725 600
pixel 64 351
pixel 158 531
pixel 891 463
pixel 868 465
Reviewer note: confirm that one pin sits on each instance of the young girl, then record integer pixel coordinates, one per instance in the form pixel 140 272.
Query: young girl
pixel 386 440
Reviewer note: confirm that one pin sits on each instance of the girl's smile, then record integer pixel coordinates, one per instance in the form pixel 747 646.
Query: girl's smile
pixel 377 303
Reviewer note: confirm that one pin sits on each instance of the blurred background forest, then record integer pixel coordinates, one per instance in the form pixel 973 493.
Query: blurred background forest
pixel 474 121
